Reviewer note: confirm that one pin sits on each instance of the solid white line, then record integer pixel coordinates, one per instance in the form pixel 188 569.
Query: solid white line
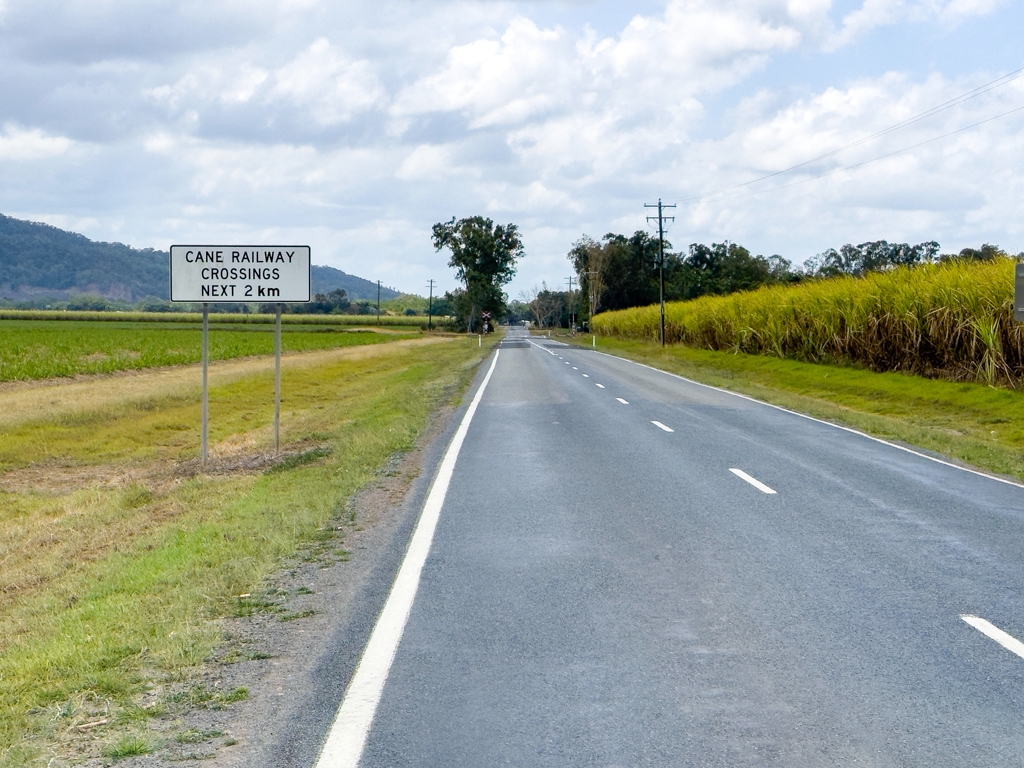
pixel 599 385
pixel 624 402
pixel 819 421
pixel 756 483
pixel 1009 642
pixel 347 736
pixel 659 425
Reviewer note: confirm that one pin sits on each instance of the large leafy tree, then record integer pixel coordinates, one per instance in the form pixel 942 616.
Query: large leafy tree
pixel 484 258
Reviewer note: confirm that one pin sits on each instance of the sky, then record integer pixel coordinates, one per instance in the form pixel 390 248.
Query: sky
pixel 354 127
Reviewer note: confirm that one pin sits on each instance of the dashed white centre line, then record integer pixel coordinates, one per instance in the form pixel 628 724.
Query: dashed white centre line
pixel 599 385
pixel 586 375
pixel 659 425
pixel 575 368
pixel 624 402
pixel 1008 641
pixel 756 483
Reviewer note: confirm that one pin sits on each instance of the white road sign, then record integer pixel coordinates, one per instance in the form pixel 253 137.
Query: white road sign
pixel 239 273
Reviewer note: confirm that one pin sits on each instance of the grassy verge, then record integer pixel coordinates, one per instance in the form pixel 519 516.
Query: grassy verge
pixel 974 424
pixel 118 555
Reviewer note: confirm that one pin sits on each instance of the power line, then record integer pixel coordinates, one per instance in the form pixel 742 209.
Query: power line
pixel 872 160
pixel 974 93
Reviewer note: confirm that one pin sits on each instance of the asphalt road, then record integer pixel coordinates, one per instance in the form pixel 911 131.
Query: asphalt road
pixel 609 585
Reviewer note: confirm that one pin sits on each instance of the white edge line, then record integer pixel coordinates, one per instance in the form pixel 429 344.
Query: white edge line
pixel 659 425
pixel 820 421
pixel 1008 641
pixel 752 480
pixel 345 741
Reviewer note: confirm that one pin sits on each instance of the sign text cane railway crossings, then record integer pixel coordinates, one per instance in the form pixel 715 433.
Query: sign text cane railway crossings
pixel 230 274
pixel 239 273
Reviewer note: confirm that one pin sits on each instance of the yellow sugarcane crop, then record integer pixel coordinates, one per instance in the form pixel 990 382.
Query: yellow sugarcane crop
pixel 952 320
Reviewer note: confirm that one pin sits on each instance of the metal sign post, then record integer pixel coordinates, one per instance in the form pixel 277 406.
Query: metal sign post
pixel 206 362
pixel 277 381
pixel 230 274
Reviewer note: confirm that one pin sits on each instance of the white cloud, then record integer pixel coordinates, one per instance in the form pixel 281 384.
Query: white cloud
pixel 497 81
pixel 882 13
pixel 331 85
pixel 320 82
pixel 21 145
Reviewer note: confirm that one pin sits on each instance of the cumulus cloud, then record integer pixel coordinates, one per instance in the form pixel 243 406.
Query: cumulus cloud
pixel 21 145
pixel 321 82
pixel 332 86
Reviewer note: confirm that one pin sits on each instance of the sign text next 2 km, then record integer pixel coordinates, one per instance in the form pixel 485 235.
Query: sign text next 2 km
pixel 240 273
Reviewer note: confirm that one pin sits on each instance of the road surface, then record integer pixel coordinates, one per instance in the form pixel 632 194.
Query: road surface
pixel 630 569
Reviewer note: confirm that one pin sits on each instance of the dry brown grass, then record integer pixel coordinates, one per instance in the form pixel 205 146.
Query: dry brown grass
pixel 27 401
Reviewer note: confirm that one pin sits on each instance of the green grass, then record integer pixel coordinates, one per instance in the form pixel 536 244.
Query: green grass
pixel 41 349
pixel 128 746
pixel 976 424
pixel 110 588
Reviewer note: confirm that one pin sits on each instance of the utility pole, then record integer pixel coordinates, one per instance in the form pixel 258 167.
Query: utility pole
pixel 572 324
pixel 378 302
pixel 661 255
pixel 430 306
pixel 592 296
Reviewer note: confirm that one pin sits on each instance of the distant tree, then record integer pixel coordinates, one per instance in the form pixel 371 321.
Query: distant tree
pixel 516 311
pixel 875 256
pixel 628 268
pixel 591 259
pixel 546 306
pixel 484 258
pixel 987 252
pixel 723 268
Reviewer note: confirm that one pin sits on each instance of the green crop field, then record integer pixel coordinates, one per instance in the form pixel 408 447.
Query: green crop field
pixel 40 349
pixel 350 321
pixel 952 321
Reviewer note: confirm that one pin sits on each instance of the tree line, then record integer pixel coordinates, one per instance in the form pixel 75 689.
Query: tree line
pixel 618 272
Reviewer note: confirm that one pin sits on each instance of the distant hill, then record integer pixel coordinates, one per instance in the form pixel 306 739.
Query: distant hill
pixel 40 261
pixel 327 279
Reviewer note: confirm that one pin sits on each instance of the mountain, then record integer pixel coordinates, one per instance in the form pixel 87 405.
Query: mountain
pixel 40 261
pixel 327 279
